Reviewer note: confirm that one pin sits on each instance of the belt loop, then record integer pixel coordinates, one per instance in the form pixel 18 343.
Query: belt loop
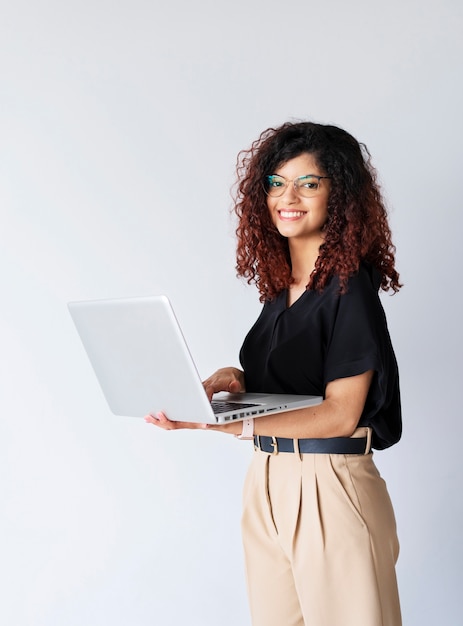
pixel 296 448
pixel 257 445
pixel 275 445
pixel 368 446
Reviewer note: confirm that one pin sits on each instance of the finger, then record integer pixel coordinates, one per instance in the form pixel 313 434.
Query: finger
pixel 235 386
pixel 220 383
pixel 150 419
pixel 209 389
pixel 160 420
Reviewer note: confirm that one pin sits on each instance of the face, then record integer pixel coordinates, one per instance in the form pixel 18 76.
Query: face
pixel 297 217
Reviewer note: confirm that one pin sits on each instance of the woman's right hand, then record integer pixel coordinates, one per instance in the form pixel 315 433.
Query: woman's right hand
pixel 229 379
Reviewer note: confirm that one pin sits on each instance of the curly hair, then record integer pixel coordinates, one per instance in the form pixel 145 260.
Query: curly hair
pixel 357 227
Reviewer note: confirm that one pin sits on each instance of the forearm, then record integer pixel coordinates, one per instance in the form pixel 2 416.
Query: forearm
pixel 337 416
pixel 321 421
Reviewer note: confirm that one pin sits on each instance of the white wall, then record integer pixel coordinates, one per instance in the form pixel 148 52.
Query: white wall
pixel 119 127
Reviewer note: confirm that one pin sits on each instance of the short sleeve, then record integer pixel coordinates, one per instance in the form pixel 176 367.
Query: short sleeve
pixel 360 342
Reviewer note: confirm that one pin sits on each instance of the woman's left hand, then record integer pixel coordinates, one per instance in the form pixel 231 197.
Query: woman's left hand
pixel 162 421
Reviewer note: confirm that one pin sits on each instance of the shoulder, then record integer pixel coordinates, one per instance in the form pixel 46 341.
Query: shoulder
pixel 362 289
pixel 360 306
pixel 366 279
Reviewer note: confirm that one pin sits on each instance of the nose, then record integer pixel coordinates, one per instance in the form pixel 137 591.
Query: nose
pixel 290 195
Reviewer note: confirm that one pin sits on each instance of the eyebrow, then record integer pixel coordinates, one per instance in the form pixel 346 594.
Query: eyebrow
pixel 301 176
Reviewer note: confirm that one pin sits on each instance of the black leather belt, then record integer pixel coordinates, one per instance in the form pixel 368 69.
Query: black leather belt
pixel 333 445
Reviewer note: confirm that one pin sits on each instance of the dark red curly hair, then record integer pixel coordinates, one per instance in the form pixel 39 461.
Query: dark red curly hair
pixel 357 228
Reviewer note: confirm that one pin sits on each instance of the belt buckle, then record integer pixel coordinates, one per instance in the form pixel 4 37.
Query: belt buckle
pixel 274 443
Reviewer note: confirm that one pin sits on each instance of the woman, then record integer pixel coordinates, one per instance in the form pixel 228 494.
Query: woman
pixel 318 526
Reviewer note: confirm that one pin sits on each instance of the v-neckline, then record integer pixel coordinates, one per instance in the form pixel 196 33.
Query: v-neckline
pixel 290 306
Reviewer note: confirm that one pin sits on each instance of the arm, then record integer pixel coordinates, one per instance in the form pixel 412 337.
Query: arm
pixel 337 416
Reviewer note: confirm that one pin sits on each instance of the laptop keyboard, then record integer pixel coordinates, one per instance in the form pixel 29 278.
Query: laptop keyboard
pixel 223 406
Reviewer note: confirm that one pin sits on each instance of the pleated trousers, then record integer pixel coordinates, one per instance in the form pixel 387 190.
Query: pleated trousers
pixel 320 541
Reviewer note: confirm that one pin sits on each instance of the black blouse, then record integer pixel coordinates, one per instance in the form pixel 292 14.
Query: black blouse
pixel 325 336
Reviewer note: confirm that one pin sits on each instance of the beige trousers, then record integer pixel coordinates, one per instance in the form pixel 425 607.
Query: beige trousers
pixel 320 541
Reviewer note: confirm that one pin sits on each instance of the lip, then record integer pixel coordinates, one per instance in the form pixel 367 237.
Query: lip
pixel 290 215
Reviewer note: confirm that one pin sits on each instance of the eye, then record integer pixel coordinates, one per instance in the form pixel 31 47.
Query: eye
pixel 308 182
pixel 275 182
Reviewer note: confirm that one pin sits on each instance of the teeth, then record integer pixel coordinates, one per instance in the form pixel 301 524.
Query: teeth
pixel 292 213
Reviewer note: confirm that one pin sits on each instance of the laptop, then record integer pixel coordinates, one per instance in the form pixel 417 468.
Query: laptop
pixel 143 365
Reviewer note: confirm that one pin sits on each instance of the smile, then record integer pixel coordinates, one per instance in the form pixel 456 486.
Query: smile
pixel 290 215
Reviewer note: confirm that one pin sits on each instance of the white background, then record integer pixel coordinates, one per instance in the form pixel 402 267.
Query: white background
pixel 119 126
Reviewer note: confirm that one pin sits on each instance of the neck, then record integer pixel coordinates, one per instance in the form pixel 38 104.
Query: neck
pixel 304 255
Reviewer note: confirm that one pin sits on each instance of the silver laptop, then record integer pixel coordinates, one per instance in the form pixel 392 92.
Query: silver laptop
pixel 143 365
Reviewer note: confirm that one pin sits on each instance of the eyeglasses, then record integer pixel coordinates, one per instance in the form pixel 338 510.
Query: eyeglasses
pixel 306 186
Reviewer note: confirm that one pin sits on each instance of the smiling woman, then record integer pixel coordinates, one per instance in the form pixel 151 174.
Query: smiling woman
pixel 318 526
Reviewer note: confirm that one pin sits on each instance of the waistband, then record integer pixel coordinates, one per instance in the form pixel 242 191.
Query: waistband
pixel 357 444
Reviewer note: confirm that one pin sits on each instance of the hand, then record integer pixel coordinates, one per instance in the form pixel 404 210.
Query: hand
pixel 162 421
pixel 229 379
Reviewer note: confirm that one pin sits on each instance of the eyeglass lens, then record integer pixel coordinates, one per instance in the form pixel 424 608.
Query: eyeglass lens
pixel 304 185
